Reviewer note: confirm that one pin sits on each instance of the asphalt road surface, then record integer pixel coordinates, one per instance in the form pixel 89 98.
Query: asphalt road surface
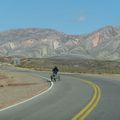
pixel 69 98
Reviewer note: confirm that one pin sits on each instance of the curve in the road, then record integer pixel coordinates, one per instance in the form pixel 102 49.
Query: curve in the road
pixel 80 116
pixel 92 104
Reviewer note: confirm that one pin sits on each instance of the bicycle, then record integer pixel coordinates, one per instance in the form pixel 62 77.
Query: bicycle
pixel 55 77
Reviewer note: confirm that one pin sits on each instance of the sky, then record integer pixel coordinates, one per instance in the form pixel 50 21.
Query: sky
pixel 68 16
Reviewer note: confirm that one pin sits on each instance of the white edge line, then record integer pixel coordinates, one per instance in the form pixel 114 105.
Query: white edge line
pixel 31 97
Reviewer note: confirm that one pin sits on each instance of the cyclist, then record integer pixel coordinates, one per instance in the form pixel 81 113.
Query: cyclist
pixel 55 70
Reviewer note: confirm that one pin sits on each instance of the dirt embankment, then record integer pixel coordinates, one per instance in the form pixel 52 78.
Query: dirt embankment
pixel 16 87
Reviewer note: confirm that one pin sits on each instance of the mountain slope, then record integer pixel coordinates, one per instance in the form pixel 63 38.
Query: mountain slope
pixel 101 44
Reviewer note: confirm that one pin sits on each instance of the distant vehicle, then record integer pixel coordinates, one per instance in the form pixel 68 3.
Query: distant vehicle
pixel 55 77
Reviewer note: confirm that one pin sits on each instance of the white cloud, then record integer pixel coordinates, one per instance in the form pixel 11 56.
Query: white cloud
pixel 82 18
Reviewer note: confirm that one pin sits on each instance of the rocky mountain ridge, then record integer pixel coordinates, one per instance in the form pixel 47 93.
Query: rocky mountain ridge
pixel 38 43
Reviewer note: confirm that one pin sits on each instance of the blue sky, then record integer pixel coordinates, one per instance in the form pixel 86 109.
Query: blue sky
pixel 69 16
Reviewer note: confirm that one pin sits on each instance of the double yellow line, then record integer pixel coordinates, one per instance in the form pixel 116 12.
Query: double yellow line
pixel 92 104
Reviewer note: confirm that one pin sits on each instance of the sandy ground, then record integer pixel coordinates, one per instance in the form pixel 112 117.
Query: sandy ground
pixel 113 76
pixel 16 87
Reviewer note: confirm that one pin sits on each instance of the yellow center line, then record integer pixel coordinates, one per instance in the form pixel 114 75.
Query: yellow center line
pixel 87 106
pixel 92 104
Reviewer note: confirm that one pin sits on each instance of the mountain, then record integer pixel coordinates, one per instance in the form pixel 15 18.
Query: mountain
pixel 38 43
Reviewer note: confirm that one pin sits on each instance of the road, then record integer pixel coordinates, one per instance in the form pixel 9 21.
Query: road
pixel 68 98
pixel 109 106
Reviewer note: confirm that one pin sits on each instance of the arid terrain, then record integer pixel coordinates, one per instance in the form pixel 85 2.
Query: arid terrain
pixel 102 44
pixel 16 87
